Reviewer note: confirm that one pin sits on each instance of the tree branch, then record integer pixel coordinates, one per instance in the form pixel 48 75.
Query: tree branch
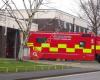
pixel 26 8
pixel 19 12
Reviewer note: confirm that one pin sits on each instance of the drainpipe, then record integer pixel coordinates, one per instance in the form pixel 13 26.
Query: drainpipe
pixel 73 24
pixel 15 44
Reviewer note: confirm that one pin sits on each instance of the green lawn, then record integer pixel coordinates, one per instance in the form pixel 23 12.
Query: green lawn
pixel 10 65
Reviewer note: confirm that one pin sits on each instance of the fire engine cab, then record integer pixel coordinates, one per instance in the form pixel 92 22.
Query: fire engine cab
pixel 68 46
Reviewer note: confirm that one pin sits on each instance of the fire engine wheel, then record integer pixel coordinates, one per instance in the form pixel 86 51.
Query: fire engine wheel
pixel 98 58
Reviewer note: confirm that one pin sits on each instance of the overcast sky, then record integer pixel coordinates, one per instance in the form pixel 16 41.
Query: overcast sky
pixel 69 6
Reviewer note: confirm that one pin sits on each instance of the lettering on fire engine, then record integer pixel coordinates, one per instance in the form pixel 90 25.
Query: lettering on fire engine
pixel 92 41
pixel 62 37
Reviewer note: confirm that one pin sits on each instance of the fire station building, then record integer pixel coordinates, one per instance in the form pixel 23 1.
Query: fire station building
pixel 54 20
pixel 9 36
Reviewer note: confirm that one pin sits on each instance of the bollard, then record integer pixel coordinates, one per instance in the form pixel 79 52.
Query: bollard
pixel 16 69
pixel 55 67
pixel 7 69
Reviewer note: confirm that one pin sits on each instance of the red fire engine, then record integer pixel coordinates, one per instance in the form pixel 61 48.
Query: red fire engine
pixel 68 46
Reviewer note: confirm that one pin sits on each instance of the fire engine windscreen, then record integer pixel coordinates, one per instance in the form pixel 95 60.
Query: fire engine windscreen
pixel 41 40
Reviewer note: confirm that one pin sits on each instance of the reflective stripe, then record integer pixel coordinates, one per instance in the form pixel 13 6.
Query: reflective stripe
pixel 70 50
pixel 92 47
pixel 38 48
pixel 29 44
pixel 56 49
pixel 97 47
pixel 77 46
pixel 87 50
pixel 62 46
pixel 53 49
pixel 47 45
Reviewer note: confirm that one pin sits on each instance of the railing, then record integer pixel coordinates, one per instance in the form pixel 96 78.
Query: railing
pixel 33 68
pixel 4 69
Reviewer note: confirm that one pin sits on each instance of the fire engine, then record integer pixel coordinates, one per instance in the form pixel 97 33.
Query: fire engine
pixel 64 46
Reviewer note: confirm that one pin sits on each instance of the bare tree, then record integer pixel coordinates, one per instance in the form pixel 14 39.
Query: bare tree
pixel 31 9
pixel 91 10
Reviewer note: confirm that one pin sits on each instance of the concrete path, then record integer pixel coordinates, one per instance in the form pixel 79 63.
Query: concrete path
pixel 80 64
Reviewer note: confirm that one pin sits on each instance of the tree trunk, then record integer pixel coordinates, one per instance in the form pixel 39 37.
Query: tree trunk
pixel 20 55
pixel 21 49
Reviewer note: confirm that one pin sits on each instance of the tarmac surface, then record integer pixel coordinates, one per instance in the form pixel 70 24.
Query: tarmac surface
pixel 78 67
pixel 83 76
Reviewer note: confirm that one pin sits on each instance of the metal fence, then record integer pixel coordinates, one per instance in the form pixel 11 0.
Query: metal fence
pixel 33 68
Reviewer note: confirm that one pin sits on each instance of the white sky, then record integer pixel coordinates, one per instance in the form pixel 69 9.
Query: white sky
pixel 69 6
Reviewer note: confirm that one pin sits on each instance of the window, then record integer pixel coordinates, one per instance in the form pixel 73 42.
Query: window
pixel 77 28
pixel 41 40
pixel 86 35
pixel 65 25
pixel 72 28
pixel 85 30
pixel 81 29
pixel 82 44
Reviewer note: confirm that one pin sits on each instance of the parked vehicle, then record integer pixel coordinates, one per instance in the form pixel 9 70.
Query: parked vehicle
pixel 68 46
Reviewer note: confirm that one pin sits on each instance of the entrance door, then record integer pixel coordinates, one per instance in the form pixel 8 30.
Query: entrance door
pixel 12 43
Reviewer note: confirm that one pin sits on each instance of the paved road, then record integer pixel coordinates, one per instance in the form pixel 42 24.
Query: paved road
pixel 84 76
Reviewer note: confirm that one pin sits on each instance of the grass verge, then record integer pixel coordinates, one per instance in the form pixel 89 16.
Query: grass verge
pixel 10 65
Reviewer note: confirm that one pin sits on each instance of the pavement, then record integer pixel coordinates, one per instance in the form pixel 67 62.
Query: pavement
pixel 42 74
pixel 80 64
